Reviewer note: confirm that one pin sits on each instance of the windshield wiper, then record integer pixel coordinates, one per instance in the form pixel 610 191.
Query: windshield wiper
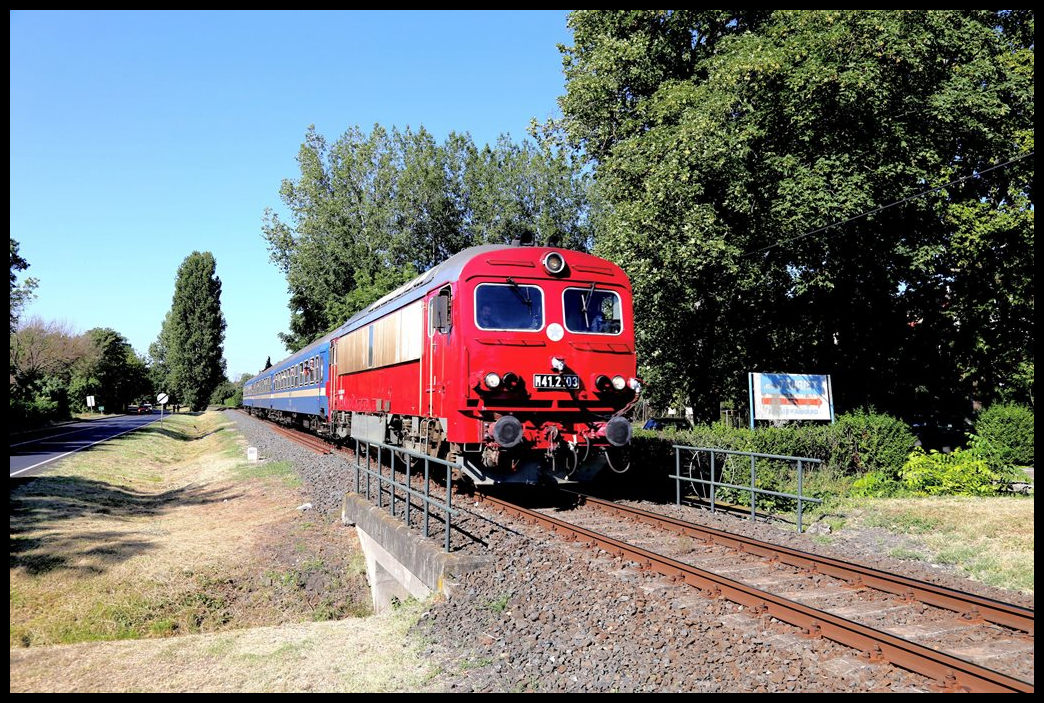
pixel 587 303
pixel 518 291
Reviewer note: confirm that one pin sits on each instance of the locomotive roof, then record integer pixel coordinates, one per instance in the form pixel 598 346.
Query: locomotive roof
pixel 448 270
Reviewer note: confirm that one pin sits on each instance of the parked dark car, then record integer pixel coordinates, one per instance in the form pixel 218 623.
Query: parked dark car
pixel 667 423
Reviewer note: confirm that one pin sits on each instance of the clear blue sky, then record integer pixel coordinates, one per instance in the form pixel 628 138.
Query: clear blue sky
pixel 140 137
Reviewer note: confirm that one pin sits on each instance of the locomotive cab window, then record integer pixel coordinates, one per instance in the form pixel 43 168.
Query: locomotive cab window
pixel 509 306
pixel 592 311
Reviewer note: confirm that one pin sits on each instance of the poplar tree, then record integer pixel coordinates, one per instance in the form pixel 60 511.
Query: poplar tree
pixel 194 332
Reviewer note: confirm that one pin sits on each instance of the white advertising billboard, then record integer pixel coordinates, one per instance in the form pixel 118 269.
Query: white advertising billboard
pixel 790 396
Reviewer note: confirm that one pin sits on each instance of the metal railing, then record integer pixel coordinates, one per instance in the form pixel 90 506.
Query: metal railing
pixel 754 491
pixel 403 490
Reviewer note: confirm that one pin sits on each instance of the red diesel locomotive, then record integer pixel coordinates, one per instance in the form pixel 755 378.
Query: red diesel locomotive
pixel 517 359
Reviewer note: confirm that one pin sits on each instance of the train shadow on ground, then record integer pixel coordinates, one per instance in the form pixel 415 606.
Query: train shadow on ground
pixel 607 485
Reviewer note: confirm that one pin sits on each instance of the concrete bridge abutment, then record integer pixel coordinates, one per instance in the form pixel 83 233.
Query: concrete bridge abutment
pixel 399 562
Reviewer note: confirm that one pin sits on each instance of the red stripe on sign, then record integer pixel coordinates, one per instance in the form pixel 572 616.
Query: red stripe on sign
pixel 791 401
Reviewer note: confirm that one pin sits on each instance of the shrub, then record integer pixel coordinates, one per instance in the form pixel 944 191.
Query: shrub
pixel 1004 435
pixel 719 436
pixel 810 441
pixel 864 441
pixel 876 484
pixel 961 472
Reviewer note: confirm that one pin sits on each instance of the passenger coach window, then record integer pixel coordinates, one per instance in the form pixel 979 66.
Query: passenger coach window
pixel 509 307
pixel 592 311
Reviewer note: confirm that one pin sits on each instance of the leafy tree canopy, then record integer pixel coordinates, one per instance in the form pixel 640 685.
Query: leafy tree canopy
pixel 720 139
pixel 20 294
pixel 371 211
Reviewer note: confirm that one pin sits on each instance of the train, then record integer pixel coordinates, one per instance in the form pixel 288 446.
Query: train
pixel 516 362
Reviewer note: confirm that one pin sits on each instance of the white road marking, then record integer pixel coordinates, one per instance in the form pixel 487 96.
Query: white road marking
pixel 15 473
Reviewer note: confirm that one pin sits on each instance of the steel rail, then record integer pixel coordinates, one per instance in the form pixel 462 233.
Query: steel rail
pixel 970 606
pixel 315 444
pixel 952 673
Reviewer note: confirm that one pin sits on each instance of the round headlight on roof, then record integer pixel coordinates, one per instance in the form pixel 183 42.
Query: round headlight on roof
pixel 554 263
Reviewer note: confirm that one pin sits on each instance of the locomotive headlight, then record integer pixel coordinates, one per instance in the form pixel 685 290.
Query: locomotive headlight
pixel 554 263
pixel 635 385
pixel 558 363
pixel 619 383
pixel 511 381
pixel 492 381
pixel 602 383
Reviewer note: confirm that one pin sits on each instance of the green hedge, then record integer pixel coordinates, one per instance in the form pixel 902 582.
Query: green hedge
pixel 857 443
pixel 868 453
pixel 1004 435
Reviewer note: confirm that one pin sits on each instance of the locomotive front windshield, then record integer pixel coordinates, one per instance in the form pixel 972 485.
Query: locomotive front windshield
pixel 509 307
pixel 592 311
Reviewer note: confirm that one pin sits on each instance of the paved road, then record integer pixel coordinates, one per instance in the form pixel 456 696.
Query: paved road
pixel 31 452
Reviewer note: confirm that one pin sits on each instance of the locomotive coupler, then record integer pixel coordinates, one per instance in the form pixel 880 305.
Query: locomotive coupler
pixel 552 436
pixel 491 455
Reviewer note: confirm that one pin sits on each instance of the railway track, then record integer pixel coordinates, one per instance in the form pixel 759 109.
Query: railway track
pixel 310 442
pixel 937 632
pixel 962 641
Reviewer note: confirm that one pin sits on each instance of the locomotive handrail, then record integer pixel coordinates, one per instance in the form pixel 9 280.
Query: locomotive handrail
pixel 752 488
pixel 427 500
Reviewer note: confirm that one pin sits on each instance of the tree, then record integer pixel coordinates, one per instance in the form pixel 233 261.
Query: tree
pixel 191 341
pixel 112 373
pixel 20 294
pixel 43 356
pixel 160 374
pixel 727 144
pixel 230 393
pixel 371 211
pixel 54 370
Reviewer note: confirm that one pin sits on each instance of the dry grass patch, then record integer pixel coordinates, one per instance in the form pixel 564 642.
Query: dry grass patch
pixel 349 656
pixel 167 531
pixel 991 539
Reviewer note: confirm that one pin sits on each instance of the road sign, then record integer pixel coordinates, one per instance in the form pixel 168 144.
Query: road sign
pixel 162 398
pixel 90 401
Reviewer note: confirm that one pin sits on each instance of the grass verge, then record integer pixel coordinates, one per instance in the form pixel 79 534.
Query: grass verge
pixel 989 539
pixel 169 531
